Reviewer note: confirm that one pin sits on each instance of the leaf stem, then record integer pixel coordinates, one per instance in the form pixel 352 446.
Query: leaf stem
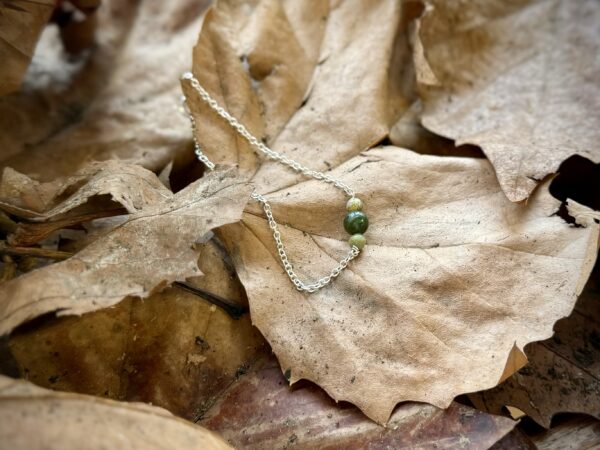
pixel 234 310
pixel 6 249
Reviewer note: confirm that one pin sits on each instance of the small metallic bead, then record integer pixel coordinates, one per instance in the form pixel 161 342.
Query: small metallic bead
pixel 354 204
pixel 356 222
pixel 357 240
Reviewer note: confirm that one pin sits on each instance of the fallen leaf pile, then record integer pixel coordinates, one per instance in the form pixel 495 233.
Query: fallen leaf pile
pixel 130 273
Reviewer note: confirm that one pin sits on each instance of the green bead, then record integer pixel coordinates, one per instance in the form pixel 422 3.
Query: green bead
pixel 356 222
pixel 357 240
pixel 354 204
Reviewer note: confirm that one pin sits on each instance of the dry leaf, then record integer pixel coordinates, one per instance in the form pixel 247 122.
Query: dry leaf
pixel 408 132
pixel 515 440
pixel 122 101
pixel 435 305
pixel 583 215
pixel 32 417
pixel 21 23
pixel 520 79
pixel 578 179
pixel 576 433
pixel 454 282
pixel 173 349
pixel 453 276
pixel 321 85
pixel 132 186
pixel 562 374
pixel 260 411
pixel 151 250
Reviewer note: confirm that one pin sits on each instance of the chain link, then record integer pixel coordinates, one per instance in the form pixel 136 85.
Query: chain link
pixel 295 165
pixel 321 282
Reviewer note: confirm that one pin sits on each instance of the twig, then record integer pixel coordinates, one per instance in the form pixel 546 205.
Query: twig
pixel 234 310
pixel 33 251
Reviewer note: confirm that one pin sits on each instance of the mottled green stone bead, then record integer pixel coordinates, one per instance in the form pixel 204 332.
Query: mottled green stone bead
pixel 356 222
pixel 354 204
pixel 357 240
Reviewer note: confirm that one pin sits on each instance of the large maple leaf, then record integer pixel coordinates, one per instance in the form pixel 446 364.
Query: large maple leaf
pixel 454 275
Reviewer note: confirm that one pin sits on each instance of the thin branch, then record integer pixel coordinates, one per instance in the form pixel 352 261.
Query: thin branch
pixel 234 310
pixel 6 249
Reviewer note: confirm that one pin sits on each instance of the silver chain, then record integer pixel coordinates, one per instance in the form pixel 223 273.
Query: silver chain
pixel 272 154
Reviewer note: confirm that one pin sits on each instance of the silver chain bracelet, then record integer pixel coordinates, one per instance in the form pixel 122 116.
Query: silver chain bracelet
pixel 355 222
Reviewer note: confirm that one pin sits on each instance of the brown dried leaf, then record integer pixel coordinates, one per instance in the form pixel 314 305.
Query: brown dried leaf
pixel 120 102
pixel 32 417
pixel 576 433
pixel 408 132
pixel 521 79
pixel 563 371
pixel 326 91
pixel 151 250
pixel 132 186
pixel 453 277
pixel 21 23
pixel 515 440
pixel 173 349
pixel 305 417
